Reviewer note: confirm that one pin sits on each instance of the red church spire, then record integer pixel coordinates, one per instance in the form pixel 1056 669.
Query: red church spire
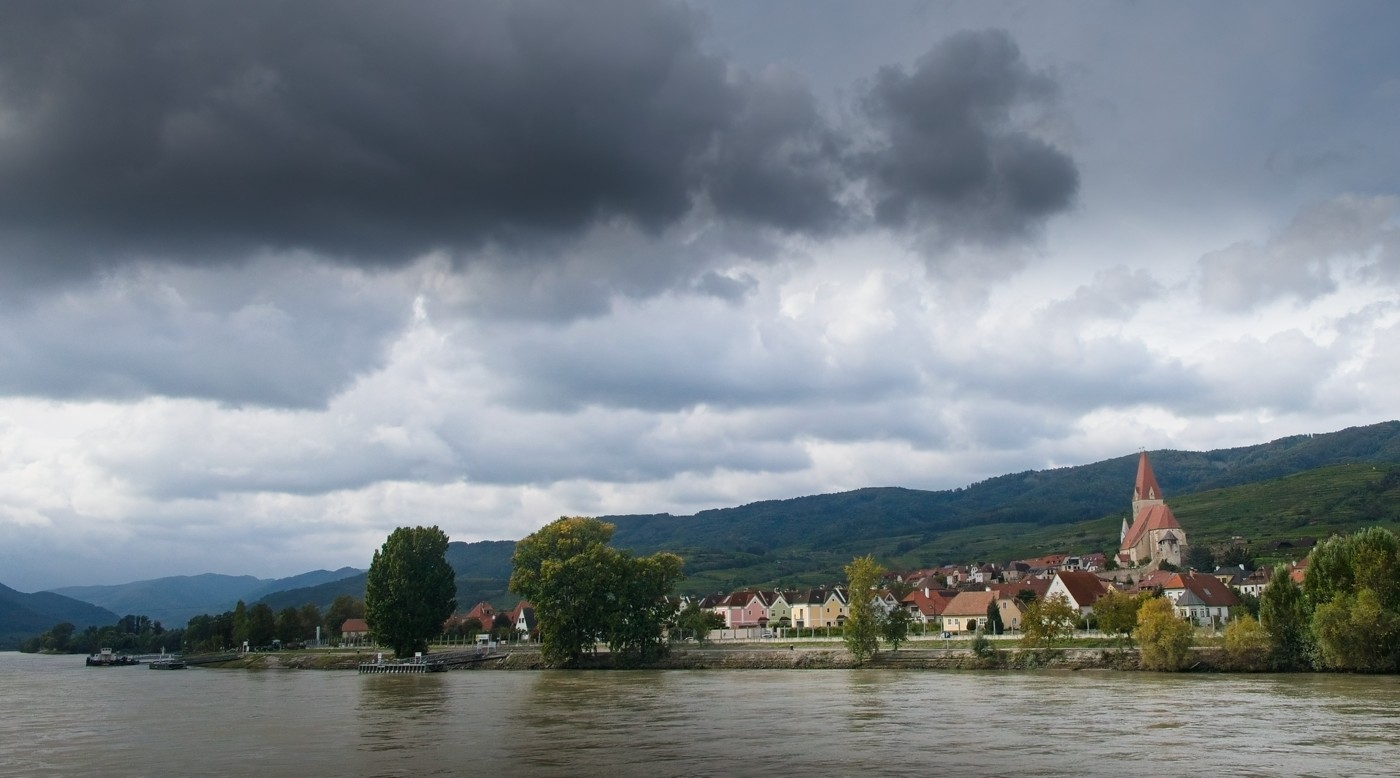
pixel 1145 487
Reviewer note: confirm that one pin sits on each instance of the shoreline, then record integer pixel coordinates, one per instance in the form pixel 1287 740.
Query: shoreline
pixel 1207 659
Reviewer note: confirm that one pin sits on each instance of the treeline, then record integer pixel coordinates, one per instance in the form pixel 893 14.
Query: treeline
pixel 130 635
pixel 259 626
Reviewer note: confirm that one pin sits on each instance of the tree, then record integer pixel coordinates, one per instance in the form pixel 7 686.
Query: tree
pixel 895 627
pixel 1046 621
pixel 1164 641
pixel 583 590
pixel 240 624
pixel 1283 614
pixel 862 632
pixel 994 624
pixel 342 608
pixel 1246 643
pixel 289 626
pixel 1353 585
pixel 641 611
pixel 310 620
pixel 262 624
pixel 1199 558
pixel 410 590
pixel 694 621
pixel 1118 613
pixel 564 569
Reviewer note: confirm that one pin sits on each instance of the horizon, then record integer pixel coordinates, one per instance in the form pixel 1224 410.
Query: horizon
pixel 271 287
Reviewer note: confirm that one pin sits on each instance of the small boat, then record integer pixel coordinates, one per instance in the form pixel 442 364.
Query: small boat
pixel 108 659
pixel 167 663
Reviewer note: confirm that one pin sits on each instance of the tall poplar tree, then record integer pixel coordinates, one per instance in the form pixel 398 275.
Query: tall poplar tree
pixel 863 624
pixel 411 589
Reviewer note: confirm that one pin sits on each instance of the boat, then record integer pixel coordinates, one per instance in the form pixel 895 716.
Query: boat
pixel 106 658
pixel 167 663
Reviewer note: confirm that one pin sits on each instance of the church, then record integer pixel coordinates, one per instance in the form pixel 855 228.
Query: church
pixel 1153 535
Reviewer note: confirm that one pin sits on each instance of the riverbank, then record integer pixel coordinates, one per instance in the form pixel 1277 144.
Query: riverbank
pixel 769 657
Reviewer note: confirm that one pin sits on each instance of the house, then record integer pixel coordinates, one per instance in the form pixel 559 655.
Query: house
pixel 1254 583
pixel 522 616
pixel 967 612
pixel 1154 534
pixel 927 605
pixel 1200 598
pixel 1081 589
pixel 484 614
pixel 354 631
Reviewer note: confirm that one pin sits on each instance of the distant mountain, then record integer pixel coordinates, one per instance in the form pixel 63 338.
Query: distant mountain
pixel 174 600
pixel 25 615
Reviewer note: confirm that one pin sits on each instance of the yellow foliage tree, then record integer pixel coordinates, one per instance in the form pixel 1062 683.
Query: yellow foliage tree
pixel 1164 641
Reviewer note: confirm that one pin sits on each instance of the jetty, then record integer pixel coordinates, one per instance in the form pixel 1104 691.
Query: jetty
pixel 434 663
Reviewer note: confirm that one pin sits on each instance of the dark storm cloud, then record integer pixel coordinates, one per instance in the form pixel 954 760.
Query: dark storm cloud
pixel 950 151
pixel 365 130
pixel 373 132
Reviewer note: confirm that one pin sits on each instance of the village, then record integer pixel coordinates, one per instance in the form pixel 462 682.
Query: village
pixel 956 600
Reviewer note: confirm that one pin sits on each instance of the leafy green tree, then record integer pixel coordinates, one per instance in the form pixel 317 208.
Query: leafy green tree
pixel 583 590
pixel 696 622
pixel 310 620
pixel 565 569
pixel 994 624
pixel 262 624
pixel 1246 643
pixel 1199 557
pixel 1234 555
pixel 1353 586
pixel 1164 641
pixel 1046 621
pixel 1283 613
pixel 289 628
pixel 862 632
pixel 410 590
pixel 1025 597
pixel 641 611
pixel 895 627
pixel 240 624
pixel 1117 613
pixel 342 608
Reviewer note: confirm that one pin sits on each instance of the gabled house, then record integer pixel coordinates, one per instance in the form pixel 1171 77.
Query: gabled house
pixel 968 611
pixel 523 617
pixel 354 630
pixel 1081 589
pixel 1200 598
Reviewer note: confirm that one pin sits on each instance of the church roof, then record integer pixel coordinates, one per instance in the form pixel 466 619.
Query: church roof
pixel 1145 487
pixel 1152 517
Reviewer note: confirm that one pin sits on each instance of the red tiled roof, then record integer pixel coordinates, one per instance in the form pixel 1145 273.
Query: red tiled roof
pixel 354 625
pixel 970 604
pixel 1038 585
pixel 1206 587
pixel 1084 588
pixel 1152 517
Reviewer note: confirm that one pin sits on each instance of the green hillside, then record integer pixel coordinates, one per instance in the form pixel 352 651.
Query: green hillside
pixel 23 615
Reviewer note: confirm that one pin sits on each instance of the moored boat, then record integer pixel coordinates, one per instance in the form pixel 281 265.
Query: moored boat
pixel 105 658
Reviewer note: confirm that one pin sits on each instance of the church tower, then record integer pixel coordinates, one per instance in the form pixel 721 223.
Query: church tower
pixel 1146 492
pixel 1154 535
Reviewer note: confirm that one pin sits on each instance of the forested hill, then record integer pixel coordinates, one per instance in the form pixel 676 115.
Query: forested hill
pixel 23 615
pixel 1048 497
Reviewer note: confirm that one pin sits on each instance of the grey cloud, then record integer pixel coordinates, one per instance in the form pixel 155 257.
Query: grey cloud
pixel 373 133
pixel 1300 261
pixel 290 338
pixel 949 150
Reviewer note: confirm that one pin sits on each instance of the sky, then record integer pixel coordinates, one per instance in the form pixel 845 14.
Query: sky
pixel 276 279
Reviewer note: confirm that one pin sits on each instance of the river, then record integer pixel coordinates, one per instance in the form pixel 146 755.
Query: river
pixel 60 718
